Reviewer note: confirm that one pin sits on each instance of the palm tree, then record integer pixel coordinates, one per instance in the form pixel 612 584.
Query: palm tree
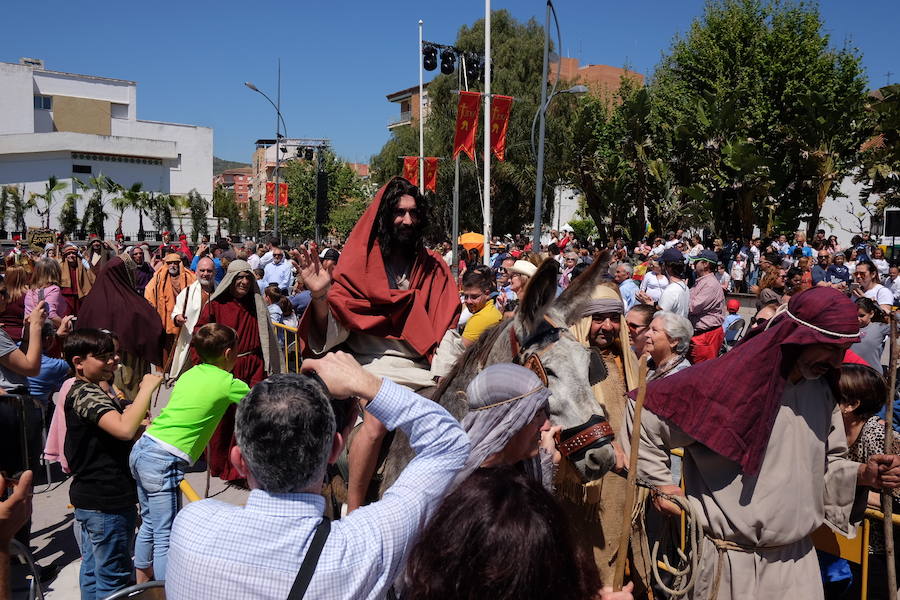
pixel 19 206
pixel 68 214
pixel 139 202
pixel 4 205
pixel 94 217
pixel 160 208
pixel 51 187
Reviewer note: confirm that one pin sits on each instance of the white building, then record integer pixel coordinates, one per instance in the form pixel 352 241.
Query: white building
pixel 67 125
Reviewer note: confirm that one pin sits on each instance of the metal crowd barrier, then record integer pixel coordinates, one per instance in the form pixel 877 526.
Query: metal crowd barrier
pixel 290 347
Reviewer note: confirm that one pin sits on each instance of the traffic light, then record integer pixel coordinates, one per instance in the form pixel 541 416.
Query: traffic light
pixel 429 58
pixel 473 67
pixel 448 61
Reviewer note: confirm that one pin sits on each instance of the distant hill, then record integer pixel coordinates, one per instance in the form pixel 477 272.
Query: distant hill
pixel 220 164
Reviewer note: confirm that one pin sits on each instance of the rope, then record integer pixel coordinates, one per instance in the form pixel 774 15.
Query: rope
pixel 688 566
pixel 783 309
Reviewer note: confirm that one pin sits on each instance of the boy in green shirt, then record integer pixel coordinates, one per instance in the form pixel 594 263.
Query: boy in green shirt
pixel 176 438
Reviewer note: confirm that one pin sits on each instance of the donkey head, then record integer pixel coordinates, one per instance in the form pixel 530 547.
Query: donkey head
pixel 540 328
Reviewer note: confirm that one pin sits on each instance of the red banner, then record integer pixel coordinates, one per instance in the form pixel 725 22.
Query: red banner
pixel 466 123
pixel 411 169
pixel 431 168
pixel 500 109
pixel 282 194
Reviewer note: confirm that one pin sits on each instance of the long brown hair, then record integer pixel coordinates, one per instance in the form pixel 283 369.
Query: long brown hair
pixel 502 536
pixel 46 273
pixel 16 280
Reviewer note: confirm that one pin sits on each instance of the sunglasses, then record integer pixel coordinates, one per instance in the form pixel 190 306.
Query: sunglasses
pixel 472 296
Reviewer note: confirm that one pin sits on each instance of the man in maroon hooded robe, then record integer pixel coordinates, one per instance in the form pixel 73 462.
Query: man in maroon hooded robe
pixel 764 451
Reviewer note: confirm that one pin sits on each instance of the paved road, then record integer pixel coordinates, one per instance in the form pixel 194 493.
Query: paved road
pixel 53 542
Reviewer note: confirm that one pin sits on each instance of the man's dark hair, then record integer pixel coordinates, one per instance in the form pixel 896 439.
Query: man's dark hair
pixel 384 224
pixel 284 428
pixel 553 249
pixel 477 278
pixel 212 340
pixel 678 269
pixel 578 269
pixel 499 535
pixel 645 310
pixel 275 242
pixel 82 342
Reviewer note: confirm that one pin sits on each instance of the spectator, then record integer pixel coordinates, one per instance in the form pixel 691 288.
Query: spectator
pixel 732 306
pixel 892 282
pixel 738 272
pixel 13 314
pixel 806 274
pixel 278 272
pixel 519 274
pixel 476 291
pixel 99 436
pixel 862 391
pixel 204 251
pixel 254 258
pixel 638 321
pixel 287 433
pixel 820 269
pixel 570 261
pixel 793 282
pixel 627 286
pixel 873 331
pixel 723 277
pixel 706 312
pixel 667 342
pixel 837 271
pixel 45 286
pixel 500 535
pixel 177 438
pixel 867 277
pixel 654 282
pixel 880 263
pixel 675 298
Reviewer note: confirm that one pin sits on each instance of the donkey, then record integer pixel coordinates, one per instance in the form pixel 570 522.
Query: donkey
pixel 538 330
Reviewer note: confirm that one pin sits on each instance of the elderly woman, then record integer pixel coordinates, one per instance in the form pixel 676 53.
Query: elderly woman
pixel 507 419
pixel 667 342
pixel 570 262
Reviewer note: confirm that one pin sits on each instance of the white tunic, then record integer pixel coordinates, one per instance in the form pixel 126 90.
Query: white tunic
pixel 805 480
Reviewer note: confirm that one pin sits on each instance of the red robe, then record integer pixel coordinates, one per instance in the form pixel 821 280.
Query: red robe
pixel 249 368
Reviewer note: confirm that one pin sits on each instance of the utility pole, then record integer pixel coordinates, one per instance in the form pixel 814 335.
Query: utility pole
pixel 539 179
pixel 487 131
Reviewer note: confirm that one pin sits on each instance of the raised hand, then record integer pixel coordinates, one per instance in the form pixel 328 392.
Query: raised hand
pixel 315 278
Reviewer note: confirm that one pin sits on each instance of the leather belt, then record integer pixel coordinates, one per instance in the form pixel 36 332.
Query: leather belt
pixel 585 438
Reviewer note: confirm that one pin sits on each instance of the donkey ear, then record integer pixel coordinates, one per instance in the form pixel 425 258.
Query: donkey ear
pixel 573 299
pixel 539 293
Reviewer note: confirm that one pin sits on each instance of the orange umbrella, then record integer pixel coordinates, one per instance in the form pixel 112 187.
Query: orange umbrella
pixel 472 240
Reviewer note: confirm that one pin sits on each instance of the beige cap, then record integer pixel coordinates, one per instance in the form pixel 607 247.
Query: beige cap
pixel 523 267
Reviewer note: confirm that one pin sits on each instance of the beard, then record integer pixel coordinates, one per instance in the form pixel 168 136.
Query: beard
pixel 174 271
pixel 205 281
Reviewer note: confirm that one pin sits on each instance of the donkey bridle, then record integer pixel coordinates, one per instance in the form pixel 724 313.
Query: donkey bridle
pixel 572 443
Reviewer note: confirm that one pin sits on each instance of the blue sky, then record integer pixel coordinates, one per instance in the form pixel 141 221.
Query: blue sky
pixel 340 58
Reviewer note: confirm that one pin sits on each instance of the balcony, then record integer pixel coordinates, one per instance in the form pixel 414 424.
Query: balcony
pixel 403 118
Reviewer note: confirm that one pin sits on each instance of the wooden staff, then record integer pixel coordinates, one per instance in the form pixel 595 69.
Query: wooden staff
pixel 631 489
pixel 887 503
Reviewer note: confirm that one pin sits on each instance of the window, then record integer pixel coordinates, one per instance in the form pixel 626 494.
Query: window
pixel 177 165
pixel 81 169
pixel 43 102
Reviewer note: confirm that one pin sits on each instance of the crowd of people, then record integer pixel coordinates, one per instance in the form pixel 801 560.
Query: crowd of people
pixel 772 394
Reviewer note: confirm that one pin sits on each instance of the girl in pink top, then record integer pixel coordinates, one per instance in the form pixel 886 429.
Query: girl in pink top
pixel 45 286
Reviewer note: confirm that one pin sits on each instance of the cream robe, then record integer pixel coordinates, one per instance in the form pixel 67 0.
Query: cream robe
pixel 189 301
pixel 805 480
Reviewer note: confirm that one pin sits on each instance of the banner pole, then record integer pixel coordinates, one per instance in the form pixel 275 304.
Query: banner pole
pixel 454 243
pixel 487 132
pixel 421 116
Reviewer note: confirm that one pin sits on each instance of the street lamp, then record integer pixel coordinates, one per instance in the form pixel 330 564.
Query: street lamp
pixel 279 122
pixel 539 178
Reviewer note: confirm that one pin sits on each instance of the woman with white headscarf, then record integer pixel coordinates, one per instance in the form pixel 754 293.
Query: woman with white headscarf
pixel 508 415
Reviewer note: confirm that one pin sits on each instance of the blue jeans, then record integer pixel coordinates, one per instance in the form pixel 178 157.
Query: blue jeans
pixel 105 551
pixel 158 474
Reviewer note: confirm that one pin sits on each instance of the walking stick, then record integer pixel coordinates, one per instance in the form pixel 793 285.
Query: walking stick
pixel 887 499
pixel 631 488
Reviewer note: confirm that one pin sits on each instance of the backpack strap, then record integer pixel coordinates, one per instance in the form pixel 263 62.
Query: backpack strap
pixel 310 561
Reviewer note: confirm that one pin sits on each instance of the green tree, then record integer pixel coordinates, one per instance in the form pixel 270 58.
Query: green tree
pixel 346 198
pixel 517 61
pixel 159 207
pixel 4 206
pixel 94 219
pixel 19 206
pixel 68 214
pixel 198 207
pixel 225 207
pixel 758 114
pixel 135 199
pixel 880 172
pixel 50 188
pixel 251 223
